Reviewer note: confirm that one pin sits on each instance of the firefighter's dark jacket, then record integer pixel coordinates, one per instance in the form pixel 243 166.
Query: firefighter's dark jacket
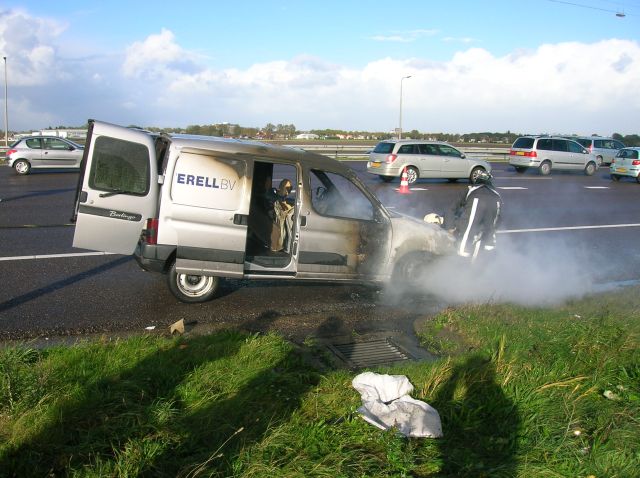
pixel 474 218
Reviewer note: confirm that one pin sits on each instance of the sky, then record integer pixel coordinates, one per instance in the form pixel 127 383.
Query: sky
pixel 525 66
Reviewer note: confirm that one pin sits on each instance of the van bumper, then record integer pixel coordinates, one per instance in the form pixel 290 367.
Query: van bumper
pixel 153 257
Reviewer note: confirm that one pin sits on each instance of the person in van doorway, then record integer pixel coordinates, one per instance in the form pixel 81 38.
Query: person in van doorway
pixel 474 217
pixel 282 217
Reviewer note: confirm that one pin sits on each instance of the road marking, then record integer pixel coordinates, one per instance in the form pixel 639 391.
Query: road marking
pixel 520 178
pixel 35 226
pixel 511 187
pixel 55 256
pixel 596 187
pixel 504 231
pixel 569 228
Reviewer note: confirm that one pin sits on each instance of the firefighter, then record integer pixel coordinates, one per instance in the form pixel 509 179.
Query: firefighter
pixel 474 217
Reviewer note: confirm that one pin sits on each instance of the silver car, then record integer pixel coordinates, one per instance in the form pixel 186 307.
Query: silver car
pixel 36 152
pixel 626 163
pixel 422 159
pixel 547 152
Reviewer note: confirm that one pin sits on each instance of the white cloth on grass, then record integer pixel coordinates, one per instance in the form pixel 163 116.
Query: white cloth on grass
pixel 386 404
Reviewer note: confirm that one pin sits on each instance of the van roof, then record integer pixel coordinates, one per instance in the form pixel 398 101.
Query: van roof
pixel 255 148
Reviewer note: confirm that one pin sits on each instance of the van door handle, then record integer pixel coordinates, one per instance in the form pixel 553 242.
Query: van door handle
pixel 241 219
pixel 303 221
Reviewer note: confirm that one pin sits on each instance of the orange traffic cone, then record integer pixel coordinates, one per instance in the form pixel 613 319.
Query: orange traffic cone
pixel 404 183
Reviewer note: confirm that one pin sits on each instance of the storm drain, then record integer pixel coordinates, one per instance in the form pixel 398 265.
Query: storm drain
pixel 370 354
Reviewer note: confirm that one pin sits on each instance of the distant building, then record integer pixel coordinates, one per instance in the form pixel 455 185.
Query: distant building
pixel 307 136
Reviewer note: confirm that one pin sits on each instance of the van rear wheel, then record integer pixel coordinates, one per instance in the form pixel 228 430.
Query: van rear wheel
pixel 545 168
pixel 192 288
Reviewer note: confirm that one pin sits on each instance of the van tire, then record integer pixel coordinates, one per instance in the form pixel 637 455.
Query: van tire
pixel 590 168
pixel 192 288
pixel 22 167
pixel 545 168
pixel 410 268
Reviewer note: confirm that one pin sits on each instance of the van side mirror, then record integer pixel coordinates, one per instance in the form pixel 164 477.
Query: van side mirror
pixel 463 156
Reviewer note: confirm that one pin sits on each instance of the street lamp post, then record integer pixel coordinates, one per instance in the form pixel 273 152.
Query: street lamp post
pixel 6 106
pixel 400 125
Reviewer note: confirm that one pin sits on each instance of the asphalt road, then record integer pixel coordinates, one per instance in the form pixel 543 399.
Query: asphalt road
pixel 562 235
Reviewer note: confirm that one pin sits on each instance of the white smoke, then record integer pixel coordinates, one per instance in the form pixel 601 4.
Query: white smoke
pixel 526 272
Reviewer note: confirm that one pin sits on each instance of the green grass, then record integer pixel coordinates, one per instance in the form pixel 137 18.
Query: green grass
pixel 520 393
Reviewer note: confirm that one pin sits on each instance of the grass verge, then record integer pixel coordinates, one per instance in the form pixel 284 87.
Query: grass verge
pixel 521 392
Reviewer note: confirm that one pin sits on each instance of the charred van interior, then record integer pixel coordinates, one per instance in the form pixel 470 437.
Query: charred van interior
pixel 271 219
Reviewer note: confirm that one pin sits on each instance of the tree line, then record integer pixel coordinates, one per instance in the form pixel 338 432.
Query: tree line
pixel 289 131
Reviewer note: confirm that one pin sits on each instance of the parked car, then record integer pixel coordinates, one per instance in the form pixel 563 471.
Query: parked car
pixel 422 159
pixel 605 149
pixel 626 163
pixel 199 208
pixel 548 152
pixel 35 152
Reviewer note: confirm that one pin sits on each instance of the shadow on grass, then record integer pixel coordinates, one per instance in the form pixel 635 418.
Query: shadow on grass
pixel 480 423
pixel 138 423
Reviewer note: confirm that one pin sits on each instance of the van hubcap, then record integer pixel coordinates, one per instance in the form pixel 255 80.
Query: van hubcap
pixel 194 286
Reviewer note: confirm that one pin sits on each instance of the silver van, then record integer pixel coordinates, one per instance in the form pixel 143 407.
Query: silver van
pixel 200 208
pixel 549 152
pixel 605 149
pixel 422 159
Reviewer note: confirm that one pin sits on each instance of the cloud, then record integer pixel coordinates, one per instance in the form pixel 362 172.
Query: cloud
pixel 28 44
pixel 158 56
pixel 567 87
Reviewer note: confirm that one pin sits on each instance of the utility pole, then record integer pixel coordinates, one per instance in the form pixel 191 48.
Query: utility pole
pixel 6 106
pixel 400 125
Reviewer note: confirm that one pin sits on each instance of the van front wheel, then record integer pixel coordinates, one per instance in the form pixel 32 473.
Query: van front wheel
pixel 590 169
pixel 192 288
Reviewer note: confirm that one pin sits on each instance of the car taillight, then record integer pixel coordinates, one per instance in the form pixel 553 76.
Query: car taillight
pixel 636 162
pixel 391 158
pixel 526 154
pixel 150 234
pixel 11 151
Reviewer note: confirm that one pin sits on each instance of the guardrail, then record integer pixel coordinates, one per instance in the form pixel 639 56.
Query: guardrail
pixel 360 152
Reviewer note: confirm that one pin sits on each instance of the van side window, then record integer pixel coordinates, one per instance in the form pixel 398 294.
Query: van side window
pixel 120 166
pixel 544 144
pixel 337 196
pixel 560 145
pixel 575 147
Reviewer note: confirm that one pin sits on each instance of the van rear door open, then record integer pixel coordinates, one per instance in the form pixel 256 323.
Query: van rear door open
pixel 118 189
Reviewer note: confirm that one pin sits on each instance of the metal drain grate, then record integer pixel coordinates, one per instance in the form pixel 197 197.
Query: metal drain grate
pixel 370 354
